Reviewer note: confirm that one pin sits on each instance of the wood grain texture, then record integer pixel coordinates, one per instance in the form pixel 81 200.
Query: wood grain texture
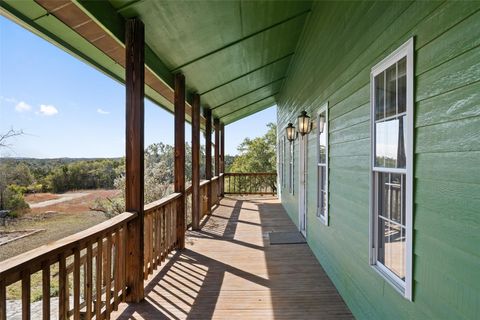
pixel 208 156
pixel 229 270
pixel 196 204
pixel 179 166
pixel 134 166
pixel 216 126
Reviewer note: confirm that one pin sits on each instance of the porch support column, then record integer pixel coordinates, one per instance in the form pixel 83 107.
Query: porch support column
pixel 222 159
pixel 134 84
pixel 196 204
pixel 216 124
pixel 179 184
pixel 208 156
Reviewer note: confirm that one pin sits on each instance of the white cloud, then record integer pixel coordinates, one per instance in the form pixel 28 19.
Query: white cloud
pixel 99 110
pixel 48 110
pixel 22 106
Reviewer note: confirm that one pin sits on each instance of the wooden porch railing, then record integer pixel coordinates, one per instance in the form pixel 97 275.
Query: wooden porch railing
pixel 90 266
pixel 160 225
pixel 250 183
pixel 96 255
pixel 203 199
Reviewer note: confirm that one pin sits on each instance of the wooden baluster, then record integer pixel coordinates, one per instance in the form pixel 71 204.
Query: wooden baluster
pixel 88 283
pixel 124 261
pixel 62 289
pixel 158 237
pixel 116 271
pixel 108 274
pixel 76 284
pixel 98 275
pixel 46 290
pixel 154 239
pixel 151 249
pixel 146 256
pixel 164 233
pixel 26 294
pixel 3 300
pixel 105 255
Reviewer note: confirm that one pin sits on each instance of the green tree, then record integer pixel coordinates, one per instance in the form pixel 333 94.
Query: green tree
pixel 256 155
pixel 259 154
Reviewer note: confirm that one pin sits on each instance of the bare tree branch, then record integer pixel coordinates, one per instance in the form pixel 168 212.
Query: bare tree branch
pixel 9 134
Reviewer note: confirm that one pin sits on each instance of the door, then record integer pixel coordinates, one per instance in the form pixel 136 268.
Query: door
pixel 302 190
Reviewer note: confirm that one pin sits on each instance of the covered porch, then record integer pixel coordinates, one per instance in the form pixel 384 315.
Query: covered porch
pixel 229 270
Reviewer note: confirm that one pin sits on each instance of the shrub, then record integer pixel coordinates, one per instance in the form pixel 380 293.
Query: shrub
pixel 15 201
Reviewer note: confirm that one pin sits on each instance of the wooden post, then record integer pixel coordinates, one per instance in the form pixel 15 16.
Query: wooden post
pixel 179 185
pixel 134 84
pixel 222 159
pixel 216 124
pixel 196 204
pixel 208 156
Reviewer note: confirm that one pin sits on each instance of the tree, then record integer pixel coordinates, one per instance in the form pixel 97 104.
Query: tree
pixel 14 179
pixel 259 154
pixel 4 137
pixel 256 155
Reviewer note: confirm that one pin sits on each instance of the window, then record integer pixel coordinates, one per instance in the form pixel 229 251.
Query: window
pixel 322 164
pixel 392 161
pixel 291 166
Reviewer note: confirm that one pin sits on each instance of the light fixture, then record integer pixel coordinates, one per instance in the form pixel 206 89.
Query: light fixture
pixel 321 123
pixel 304 125
pixel 290 132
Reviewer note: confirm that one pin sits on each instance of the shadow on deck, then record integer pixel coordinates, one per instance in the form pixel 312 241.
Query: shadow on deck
pixel 230 271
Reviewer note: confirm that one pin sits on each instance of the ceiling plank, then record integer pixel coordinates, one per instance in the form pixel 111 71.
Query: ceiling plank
pixel 248 73
pixel 248 105
pixel 262 106
pixel 242 39
pixel 247 93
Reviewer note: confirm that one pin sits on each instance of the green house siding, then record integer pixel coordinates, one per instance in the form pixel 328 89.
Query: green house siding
pixel 340 44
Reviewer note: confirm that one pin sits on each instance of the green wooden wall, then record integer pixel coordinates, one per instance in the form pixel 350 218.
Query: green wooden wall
pixel 339 45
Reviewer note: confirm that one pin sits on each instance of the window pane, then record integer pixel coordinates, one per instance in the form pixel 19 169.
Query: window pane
pixel 383 191
pixel 391 91
pixel 402 85
pixel 391 247
pixel 390 196
pixel 323 178
pixel 390 143
pixel 322 148
pixel 379 96
pixel 395 197
pixel 323 203
pixel 401 146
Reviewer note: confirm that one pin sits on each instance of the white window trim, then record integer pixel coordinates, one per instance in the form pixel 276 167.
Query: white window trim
pixel 323 219
pixel 404 287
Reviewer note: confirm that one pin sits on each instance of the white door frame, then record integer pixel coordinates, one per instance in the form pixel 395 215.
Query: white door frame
pixel 302 185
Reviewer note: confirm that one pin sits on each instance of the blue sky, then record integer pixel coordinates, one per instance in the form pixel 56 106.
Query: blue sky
pixel 68 109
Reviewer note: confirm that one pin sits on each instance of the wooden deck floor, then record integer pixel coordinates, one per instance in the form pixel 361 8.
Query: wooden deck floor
pixel 230 271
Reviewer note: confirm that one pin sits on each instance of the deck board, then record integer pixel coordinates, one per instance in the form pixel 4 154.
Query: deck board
pixel 229 270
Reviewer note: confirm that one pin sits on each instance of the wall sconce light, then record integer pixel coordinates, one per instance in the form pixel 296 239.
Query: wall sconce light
pixel 321 123
pixel 291 134
pixel 304 124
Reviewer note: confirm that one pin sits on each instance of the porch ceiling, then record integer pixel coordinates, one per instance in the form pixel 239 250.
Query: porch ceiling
pixel 235 54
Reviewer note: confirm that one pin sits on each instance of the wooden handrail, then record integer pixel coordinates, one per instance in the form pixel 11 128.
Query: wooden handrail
pixel 162 202
pixel 250 174
pixel 10 269
pixel 249 183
